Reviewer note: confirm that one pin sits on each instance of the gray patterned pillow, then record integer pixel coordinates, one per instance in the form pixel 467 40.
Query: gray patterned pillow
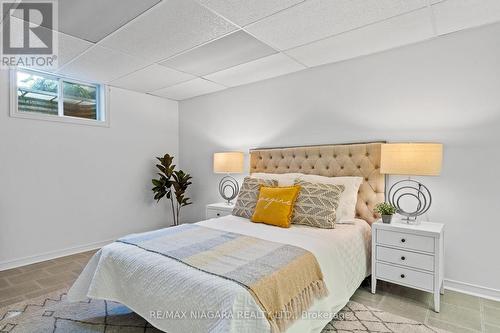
pixel 317 204
pixel 249 193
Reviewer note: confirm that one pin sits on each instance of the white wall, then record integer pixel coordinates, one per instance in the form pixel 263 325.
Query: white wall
pixel 65 187
pixel 445 90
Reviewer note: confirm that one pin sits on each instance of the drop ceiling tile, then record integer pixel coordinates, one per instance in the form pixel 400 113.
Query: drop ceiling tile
pixel 70 47
pixel 101 65
pixel 66 48
pixel 171 27
pixel 261 69
pixel 243 12
pixel 196 87
pixel 93 20
pixel 228 51
pixel 316 19
pixel 454 15
pixel 397 31
pixel 151 78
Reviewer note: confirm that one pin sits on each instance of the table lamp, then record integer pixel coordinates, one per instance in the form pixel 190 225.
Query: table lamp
pixel 419 159
pixel 228 162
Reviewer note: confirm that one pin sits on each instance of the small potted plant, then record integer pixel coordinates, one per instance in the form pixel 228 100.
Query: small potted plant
pixel 386 210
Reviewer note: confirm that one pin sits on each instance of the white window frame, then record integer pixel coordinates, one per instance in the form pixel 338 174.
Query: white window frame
pixel 102 101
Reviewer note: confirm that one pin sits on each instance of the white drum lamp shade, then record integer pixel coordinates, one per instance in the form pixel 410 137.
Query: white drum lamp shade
pixel 228 162
pixel 419 159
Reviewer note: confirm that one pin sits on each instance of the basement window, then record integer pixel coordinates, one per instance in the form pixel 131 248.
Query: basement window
pixel 44 96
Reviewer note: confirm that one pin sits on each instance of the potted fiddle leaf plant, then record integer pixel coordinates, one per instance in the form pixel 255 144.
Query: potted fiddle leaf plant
pixel 386 210
pixel 171 184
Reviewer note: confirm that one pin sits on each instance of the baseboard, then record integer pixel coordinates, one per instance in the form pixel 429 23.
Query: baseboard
pixel 472 289
pixel 52 255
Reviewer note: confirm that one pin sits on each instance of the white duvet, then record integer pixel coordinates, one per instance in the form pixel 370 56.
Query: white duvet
pixel 176 298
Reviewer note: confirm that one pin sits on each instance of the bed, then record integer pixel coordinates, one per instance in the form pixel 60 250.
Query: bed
pixel 177 298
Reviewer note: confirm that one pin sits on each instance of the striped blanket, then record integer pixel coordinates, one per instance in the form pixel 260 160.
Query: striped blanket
pixel 283 279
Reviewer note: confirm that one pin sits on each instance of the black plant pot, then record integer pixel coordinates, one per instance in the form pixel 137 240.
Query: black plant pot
pixel 386 218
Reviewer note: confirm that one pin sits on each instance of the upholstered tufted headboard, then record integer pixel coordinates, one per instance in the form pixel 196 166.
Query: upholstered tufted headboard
pixel 359 159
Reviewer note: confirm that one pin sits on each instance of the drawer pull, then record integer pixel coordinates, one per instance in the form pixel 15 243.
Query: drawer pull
pixel 403 258
pixel 403 240
pixel 402 276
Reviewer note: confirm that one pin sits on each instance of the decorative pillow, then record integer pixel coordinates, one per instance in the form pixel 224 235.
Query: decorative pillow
pixel 348 199
pixel 317 204
pixel 284 179
pixel 275 205
pixel 249 193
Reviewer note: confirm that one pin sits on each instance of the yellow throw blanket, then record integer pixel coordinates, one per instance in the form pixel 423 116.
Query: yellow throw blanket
pixel 283 279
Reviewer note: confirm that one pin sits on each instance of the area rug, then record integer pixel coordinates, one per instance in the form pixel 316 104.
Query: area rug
pixel 52 313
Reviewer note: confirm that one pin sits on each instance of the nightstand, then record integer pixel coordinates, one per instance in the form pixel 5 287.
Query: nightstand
pixel 219 209
pixel 409 255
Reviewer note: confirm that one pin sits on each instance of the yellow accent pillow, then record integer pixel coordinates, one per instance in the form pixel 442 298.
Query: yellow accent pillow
pixel 275 205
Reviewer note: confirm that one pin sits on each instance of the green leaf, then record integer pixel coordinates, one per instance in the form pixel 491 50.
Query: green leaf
pixel 161 168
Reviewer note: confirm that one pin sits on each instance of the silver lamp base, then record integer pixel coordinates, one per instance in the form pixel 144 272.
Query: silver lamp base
pixel 228 188
pixel 414 189
pixel 410 220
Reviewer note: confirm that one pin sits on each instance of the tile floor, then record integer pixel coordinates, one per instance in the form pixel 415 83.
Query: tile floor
pixel 30 281
pixel 459 312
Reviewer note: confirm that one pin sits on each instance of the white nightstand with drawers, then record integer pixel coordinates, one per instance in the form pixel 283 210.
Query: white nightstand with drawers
pixel 409 255
pixel 219 209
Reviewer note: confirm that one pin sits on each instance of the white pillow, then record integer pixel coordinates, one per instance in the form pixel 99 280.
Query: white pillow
pixel 284 179
pixel 345 222
pixel 348 198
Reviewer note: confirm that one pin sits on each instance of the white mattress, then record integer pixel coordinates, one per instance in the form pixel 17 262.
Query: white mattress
pixel 147 282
